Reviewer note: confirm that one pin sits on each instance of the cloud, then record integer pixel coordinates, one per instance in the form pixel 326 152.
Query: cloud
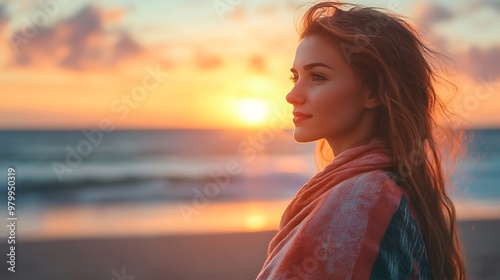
pixel 494 4
pixel 258 63
pixel 478 62
pixel 475 60
pixel 237 14
pixel 268 10
pixel 206 61
pixel 79 42
pixel 4 17
pixel 432 14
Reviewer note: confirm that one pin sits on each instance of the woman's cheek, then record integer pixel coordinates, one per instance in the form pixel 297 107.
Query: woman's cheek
pixel 335 107
pixel 327 107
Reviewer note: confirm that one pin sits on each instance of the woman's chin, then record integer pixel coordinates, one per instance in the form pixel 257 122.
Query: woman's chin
pixel 302 136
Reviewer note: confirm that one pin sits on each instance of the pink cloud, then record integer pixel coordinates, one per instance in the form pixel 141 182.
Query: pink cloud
pixel 78 43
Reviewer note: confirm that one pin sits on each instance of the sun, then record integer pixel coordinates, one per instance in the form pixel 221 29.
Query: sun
pixel 255 222
pixel 252 111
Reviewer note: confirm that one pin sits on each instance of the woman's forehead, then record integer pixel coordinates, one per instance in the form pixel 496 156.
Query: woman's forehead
pixel 316 48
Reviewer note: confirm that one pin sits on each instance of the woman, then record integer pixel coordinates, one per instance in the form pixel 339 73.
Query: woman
pixel 363 87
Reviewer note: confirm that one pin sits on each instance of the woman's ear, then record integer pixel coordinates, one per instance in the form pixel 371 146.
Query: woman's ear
pixel 371 100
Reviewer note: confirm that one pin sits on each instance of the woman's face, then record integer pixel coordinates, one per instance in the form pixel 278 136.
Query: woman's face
pixel 327 101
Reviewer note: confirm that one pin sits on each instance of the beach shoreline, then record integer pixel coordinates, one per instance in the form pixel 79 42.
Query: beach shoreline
pixel 198 256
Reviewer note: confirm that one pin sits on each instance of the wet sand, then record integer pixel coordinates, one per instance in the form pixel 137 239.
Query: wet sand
pixel 230 256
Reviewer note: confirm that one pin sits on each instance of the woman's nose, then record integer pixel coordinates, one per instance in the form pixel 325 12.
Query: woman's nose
pixel 294 96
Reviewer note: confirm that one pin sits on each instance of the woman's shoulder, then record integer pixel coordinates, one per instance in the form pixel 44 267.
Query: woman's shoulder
pixel 369 187
pixel 371 216
pixel 375 199
pixel 368 196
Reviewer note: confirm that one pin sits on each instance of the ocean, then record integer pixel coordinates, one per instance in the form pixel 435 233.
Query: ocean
pixel 90 182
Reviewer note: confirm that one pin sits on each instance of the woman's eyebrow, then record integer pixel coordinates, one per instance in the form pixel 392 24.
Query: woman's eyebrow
pixel 311 65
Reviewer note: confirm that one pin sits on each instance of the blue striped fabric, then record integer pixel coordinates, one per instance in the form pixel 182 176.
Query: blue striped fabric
pixel 402 253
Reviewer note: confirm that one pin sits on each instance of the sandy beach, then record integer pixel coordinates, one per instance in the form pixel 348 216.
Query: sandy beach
pixel 210 256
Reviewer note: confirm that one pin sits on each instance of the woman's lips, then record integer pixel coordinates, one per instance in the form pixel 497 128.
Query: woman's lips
pixel 296 120
pixel 299 117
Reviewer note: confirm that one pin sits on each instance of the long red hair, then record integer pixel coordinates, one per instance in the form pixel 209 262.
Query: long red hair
pixel 389 56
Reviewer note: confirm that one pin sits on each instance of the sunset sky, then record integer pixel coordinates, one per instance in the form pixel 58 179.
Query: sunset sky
pixel 200 64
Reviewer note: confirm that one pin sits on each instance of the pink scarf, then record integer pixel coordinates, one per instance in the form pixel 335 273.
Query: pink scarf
pixel 334 226
pixel 350 163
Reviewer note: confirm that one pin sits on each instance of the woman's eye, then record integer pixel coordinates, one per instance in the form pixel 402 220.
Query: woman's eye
pixel 317 77
pixel 314 76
